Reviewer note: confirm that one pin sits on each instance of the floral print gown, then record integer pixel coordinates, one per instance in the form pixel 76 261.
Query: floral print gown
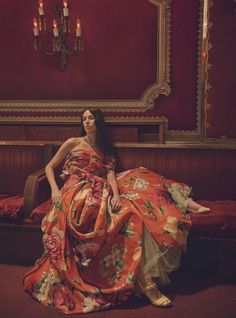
pixel 92 254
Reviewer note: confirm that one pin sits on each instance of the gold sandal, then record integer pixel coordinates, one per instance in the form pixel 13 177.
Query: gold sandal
pixel 151 293
pixel 163 302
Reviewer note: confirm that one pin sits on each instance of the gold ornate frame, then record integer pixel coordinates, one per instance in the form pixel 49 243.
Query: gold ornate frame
pixel 145 102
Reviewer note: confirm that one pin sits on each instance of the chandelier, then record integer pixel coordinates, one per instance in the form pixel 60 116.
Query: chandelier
pixel 58 33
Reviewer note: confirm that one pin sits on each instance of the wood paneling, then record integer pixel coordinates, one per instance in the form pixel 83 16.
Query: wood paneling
pixel 12 132
pixel 119 131
pixel 211 172
pixel 16 163
pixel 51 132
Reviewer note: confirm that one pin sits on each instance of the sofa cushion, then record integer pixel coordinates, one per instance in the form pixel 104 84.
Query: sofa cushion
pixel 39 212
pixel 220 222
pixel 11 207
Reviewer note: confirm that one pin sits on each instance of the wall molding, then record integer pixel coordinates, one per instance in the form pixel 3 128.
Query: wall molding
pixel 57 109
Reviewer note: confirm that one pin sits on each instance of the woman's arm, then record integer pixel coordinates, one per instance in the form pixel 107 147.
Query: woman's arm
pixel 116 201
pixel 65 148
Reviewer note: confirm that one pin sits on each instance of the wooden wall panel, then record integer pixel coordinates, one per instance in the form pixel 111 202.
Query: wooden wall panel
pixel 12 132
pixel 211 172
pixel 51 132
pixel 61 132
pixel 16 163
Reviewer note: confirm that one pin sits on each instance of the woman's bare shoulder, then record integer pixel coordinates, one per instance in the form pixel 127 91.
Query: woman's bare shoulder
pixel 73 143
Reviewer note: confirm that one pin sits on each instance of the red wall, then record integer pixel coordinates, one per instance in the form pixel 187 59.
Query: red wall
pixel 105 68
pixel 221 113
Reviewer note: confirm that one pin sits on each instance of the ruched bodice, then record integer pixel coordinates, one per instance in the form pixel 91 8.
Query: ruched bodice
pixel 84 162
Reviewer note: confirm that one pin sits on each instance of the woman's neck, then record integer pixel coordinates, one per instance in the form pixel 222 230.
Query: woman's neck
pixel 90 139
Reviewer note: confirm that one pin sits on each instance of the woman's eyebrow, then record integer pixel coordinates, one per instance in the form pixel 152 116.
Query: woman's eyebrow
pixel 89 116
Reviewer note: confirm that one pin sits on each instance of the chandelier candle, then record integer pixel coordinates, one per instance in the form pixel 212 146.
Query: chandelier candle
pixel 59 33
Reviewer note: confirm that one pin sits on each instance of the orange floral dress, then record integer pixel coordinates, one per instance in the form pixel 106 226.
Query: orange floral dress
pixel 92 254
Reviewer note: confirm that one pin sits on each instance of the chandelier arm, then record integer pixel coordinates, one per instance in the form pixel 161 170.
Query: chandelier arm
pixel 51 53
pixel 59 34
pixel 71 52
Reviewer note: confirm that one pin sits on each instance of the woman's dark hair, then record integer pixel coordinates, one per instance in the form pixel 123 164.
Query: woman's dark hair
pixel 103 142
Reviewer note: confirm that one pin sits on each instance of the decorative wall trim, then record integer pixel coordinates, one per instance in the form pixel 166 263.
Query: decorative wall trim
pixel 73 119
pixel 12 110
pixel 207 86
pixel 223 139
pixel 198 133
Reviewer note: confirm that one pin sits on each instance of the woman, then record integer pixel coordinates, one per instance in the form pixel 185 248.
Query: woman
pixel 106 235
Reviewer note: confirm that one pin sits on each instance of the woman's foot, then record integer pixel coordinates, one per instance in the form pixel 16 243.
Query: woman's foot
pixel 196 207
pixel 201 209
pixel 156 297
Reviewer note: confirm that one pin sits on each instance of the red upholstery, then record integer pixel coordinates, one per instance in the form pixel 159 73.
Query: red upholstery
pixel 11 207
pixel 220 222
pixel 39 212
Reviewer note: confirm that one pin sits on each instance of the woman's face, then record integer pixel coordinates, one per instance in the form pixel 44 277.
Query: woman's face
pixel 89 122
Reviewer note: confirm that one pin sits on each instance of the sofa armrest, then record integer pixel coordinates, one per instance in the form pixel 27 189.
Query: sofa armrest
pixel 36 191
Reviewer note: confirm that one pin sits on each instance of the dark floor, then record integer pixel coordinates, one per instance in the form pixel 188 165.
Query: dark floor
pixel 194 296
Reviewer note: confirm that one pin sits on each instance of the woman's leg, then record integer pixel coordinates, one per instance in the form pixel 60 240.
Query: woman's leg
pixel 195 207
pixel 155 263
pixel 150 290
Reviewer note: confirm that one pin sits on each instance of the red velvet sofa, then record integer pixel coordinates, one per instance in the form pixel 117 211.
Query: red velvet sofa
pixel 210 171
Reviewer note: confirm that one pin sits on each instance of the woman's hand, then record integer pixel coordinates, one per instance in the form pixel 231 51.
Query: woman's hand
pixel 116 203
pixel 56 196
